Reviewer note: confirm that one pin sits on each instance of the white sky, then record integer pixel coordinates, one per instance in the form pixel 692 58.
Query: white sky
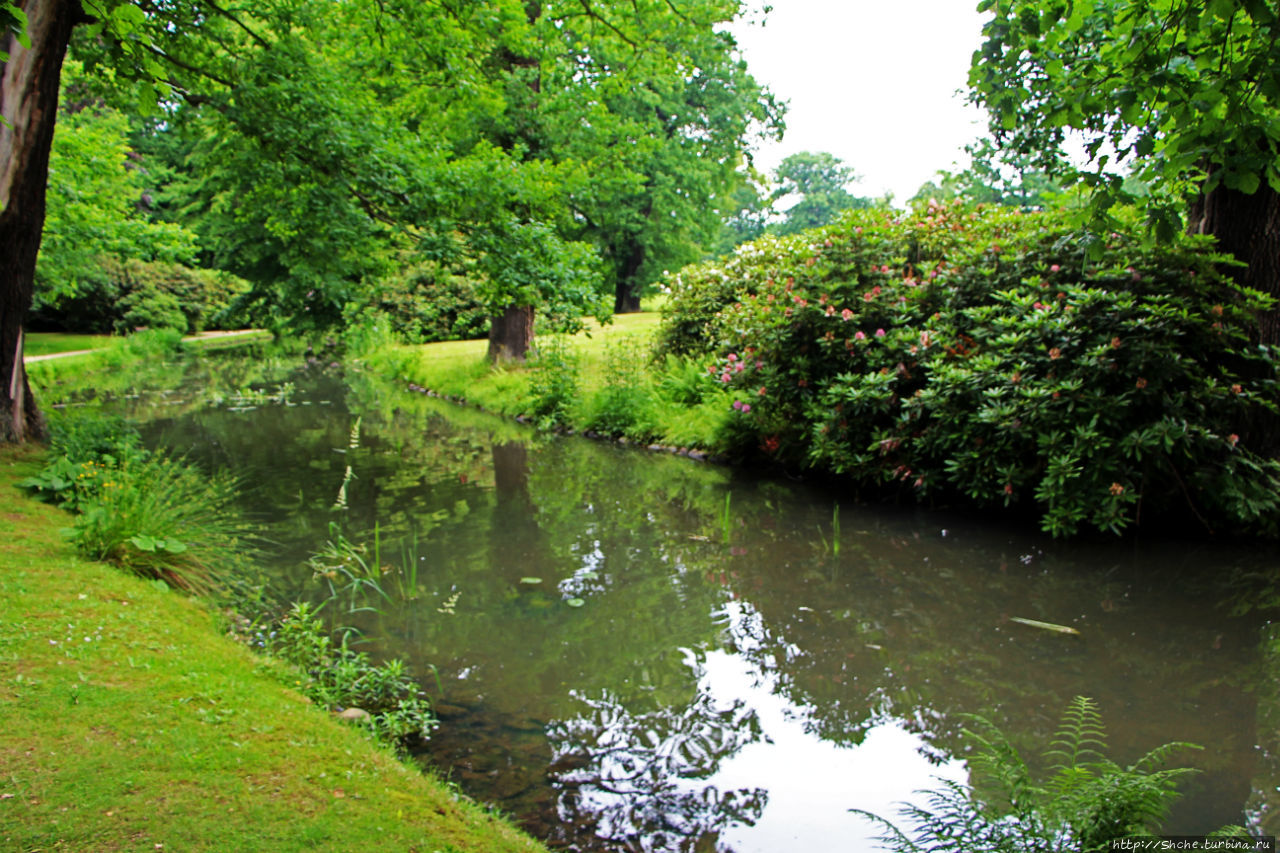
pixel 873 82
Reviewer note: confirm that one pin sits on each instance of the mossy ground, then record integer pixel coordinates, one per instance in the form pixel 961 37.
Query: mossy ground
pixel 132 722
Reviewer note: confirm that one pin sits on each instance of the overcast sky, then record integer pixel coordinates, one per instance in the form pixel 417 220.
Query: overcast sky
pixel 873 82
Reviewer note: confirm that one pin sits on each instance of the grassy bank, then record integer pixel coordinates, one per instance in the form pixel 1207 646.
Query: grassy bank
pixel 602 380
pixel 134 723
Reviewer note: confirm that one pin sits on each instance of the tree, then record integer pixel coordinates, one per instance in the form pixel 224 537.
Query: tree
pixel 96 201
pixel 820 180
pixel 1183 95
pixel 653 104
pixel 992 177
pixel 33 42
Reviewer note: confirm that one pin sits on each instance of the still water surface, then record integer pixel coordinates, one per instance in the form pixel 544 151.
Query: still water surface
pixel 636 651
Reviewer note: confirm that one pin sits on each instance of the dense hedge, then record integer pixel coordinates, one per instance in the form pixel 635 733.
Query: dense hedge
pixel 988 355
pixel 121 296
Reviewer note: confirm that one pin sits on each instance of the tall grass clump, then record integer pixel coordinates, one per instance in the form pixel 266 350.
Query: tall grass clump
pixel 626 402
pixel 152 515
pixel 1086 802
pixel 554 378
pixel 997 358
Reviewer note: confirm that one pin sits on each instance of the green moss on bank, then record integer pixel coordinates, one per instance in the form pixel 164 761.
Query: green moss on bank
pixel 133 723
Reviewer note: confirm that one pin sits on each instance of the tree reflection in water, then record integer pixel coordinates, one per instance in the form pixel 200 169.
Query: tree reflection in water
pixel 636 780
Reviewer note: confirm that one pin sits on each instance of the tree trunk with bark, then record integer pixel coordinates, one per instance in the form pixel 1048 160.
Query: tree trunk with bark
pixel 511 334
pixel 1248 228
pixel 29 106
pixel 626 295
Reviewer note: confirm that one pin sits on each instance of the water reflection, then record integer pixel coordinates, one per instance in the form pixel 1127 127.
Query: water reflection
pixel 639 652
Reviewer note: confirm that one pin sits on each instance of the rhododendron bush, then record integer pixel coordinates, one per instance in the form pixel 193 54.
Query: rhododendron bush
pixel 999 358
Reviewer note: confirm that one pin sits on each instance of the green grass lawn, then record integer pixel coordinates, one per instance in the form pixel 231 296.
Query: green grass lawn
pixel 618 388
pixel 132 722
pixel 48 343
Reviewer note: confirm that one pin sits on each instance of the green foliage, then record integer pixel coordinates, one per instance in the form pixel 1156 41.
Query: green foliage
pixel 993 177
pixel 554 373
pixel 348 571
pixel 1086 802
pixel 154 516
pixel 1176 91
pixel 97 199
pixel 121 296
pixel 625 405
pixel 338 677
pixel 820 180
pixel 427 303
pixel 983 355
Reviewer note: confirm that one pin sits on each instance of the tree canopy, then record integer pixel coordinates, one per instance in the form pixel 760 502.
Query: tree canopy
pixel 1180 98
pixel 820 181
pixel 565 151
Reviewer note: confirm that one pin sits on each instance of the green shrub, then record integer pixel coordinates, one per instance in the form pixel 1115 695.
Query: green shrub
pixel 999 358
pixel 120 296
pixel 151 515
pixel 625 404
pixel 427 303
pixel 1087 801
pixel 151 308
pixel 339 677
pixel 553 381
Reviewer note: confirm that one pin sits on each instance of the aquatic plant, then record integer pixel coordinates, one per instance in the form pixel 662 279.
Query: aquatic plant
pixel 1086 802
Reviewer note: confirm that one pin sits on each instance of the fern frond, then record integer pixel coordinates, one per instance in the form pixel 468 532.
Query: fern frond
pixel 1081 739
pixel 1157 757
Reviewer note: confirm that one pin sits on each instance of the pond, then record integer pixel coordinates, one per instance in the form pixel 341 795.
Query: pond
pixel 632 650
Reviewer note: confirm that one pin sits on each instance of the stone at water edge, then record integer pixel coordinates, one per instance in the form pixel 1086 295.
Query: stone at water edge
pixel 353 714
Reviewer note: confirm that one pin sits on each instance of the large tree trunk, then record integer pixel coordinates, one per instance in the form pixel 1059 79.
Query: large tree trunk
pixel 511 334
pixel 1247 228
pixel 626 295
pixel 29 106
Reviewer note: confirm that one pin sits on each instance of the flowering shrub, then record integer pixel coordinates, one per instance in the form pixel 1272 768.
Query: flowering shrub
pixel 989 355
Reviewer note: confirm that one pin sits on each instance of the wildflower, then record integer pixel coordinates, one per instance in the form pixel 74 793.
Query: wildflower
pixel 762 391
pixel 831 311
pixel 1236 389
pixel 1054 268
pixel 879 333
pixel 884 268
pixel 724 377
pixel 732 357
pixel 859 335
pixel 1141 383
pixel 1217 310
pixel 737 405
pixel 1055 353
pixel 1008 488
pixel 1116 489
pixel 803 383
pixel 746 407
pixel 1233 439
pixel 1115 343
pixel 846 314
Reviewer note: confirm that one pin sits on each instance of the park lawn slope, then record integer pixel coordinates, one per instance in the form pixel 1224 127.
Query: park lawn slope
pixel 132 722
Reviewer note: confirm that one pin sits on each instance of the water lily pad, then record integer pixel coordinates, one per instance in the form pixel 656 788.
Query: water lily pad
pixel 575 602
